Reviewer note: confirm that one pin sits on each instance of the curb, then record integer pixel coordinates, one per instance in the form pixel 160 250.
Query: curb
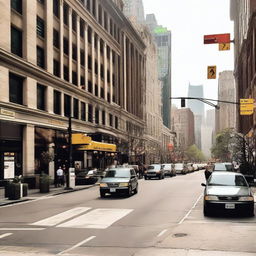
pixel 4 203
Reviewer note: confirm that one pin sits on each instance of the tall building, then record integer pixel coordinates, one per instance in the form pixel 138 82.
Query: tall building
pixel 226 115
pixel 134 9
pixel 163 41
pixel 183 124
pixel 243 13
pixel 197 108
pixel 67 60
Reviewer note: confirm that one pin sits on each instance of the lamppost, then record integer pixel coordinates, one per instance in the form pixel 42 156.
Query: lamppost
pixel 70 153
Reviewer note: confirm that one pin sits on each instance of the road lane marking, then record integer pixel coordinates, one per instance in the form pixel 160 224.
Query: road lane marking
pixel 5 235
pixel 77 245
pixel 182 220
pixel 21 229
pixel 56 219
pixel 97 219
pixel 162 232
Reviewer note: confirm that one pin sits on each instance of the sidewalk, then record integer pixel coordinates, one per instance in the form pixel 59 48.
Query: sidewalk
pixel 34 194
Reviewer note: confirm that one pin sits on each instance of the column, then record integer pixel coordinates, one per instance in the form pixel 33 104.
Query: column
pixel 49 36
pixel 5 25
pixel 105 72
pixel 30 92
pixel 125 75
pixel 4 83
pixel 28 150
pixel 61 39
pixel 78 51
pixel 111 76
pixel 70 60
pixel 49 100
pixel 86 112
pixel 93 64
pixel 99 65
pixel 86 55
pixel 62 104
pixel 30 31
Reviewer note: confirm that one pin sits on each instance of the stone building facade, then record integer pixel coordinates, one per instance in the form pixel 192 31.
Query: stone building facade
pixel 61 59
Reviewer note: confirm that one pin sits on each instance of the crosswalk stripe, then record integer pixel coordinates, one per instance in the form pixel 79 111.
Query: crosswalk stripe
pixel 5 235
pixel 97 219
pixel 56 219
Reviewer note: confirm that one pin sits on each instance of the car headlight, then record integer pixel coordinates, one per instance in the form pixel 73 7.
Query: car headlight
pixel 208 198
pixel 103 185
pixel 158 171
pixel 246 198
pixel 123 184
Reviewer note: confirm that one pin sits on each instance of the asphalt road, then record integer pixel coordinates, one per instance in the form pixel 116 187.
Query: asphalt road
pixel 164 218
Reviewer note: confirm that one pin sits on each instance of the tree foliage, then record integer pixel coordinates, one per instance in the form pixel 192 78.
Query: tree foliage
pixel 194 154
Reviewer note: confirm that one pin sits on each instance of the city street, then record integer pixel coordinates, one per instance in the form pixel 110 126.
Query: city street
pixel 164 218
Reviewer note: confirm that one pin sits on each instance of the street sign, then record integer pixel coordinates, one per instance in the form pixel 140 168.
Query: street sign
pixel 246 107
pixel 224 47
pixel 217 39
pixel 211 72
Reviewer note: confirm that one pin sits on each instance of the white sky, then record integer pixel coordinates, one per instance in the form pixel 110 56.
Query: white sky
pixel 189 21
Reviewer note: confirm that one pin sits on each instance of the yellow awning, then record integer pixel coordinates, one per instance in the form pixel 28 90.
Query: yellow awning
pixel 98 146
pixel 80 139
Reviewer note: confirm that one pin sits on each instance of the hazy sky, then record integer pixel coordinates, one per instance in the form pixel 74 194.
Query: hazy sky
pixel 188 21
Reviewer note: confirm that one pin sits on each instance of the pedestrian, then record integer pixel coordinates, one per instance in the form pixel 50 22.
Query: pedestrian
pixel 207 173
pixel 60 177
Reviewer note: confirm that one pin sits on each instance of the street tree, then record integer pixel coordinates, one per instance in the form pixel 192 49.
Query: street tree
pixel 194 154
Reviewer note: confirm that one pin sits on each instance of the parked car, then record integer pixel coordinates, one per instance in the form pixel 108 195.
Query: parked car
pixel 223 167
pixel 169 169
pixel 181 168
pixel 190 167
pixel 228 191
pixel 154 171
pixel 195 166
pixel 86 176
pixel 121 180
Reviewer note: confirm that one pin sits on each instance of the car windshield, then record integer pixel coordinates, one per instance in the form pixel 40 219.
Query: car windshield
pixel 154 167
pixel 118 174
pixel 227 180
pixel 179 166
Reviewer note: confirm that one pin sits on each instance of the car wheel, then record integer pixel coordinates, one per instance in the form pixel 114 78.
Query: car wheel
pixel 136 189
pixel 102 194
pixel 129 193
pixel 163 176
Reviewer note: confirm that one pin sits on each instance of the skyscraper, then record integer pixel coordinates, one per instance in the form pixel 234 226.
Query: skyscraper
pixel 197 108
pixel 163 41
pixel 134 9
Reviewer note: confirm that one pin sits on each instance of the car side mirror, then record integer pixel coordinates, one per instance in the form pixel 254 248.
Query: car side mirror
pixel 203 185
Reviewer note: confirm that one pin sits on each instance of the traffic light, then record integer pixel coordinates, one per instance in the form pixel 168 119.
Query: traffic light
pixel 183 103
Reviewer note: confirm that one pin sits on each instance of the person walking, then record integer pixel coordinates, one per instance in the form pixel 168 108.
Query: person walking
pixel 60 177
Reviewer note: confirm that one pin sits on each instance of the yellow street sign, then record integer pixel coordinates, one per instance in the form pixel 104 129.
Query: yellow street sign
pixel 211 72
pixel 246 107
pixel 224 47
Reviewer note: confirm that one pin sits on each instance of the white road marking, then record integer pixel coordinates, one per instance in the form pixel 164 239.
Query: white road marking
pixel 97 219
pixel 182 220
pixel 5 235
pixel 22 229
pixel 56 219
pixel 77 245
pixel 162 232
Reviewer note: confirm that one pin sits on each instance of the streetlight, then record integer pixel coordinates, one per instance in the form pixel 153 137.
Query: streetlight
pixel 70 152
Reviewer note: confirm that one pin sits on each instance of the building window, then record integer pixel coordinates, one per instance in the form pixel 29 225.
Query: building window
pixel 82 25
pixel 65 14
pixel 56 38
pixel 56 68
pixel 82 81
pixel 65 46
pixel 94 8
pixel 40 26
pixel 100 14
pixel 88 5
pixel 66 73
pixel 116 122
pixel 41 89
pixel 16 41
pixel 56 5
pixel 97 116
pixel 74 77
pixel 110 120
pixel 82 111
pixel 67 105
pixel 108 97
pixel 106 21
pixel 102 92
pixel 90 113
pixel 74 52
pixel 89 35
pixel 75 109
pixel 90 86
pixel 41 1
pixel 96 67
pixel 89 62
pixel 74 15
pixel 82 57
pixel 102 71
pixel 16 89
pixel 57 102
pixel 108 76
pixel 17 5
pixel 96 90
pixel 40 57
pixel 103 117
